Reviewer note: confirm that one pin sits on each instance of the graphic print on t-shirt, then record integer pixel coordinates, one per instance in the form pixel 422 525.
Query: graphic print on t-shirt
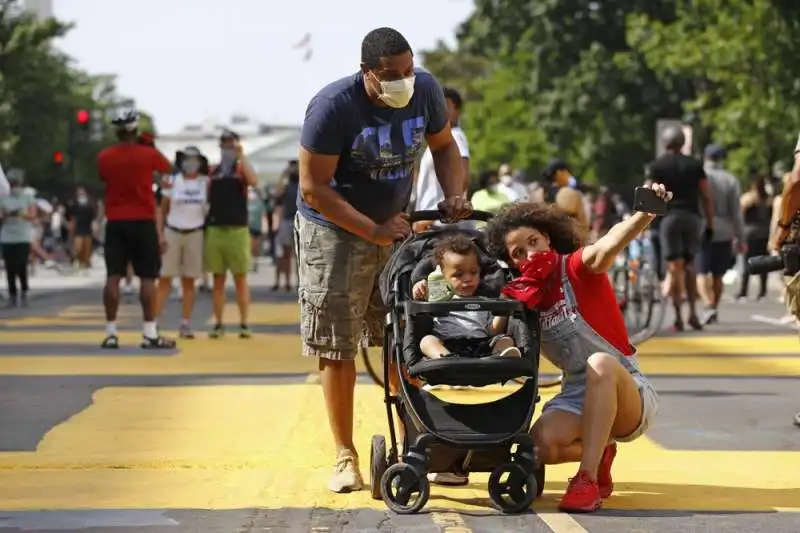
pixel 190 192
pixel 555 315
pixel 387 155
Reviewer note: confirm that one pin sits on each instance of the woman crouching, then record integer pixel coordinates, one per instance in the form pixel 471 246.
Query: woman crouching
pixel 604 397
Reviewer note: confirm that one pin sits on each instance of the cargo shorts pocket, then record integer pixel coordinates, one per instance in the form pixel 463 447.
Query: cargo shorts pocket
pixel 327 321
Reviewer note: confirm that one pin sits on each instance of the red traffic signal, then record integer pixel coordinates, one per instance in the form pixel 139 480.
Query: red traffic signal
pixel 58 158
pixel 83 116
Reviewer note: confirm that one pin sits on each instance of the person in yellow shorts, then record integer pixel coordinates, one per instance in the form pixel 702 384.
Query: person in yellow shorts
pixel 227 237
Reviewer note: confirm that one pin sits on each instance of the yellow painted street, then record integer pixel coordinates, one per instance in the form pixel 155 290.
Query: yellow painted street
pixel 238 425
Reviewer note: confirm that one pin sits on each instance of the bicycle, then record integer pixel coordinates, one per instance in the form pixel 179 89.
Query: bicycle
pixel 636 284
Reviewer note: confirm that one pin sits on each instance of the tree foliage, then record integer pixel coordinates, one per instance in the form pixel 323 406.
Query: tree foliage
pixel 40 93
pixel 588 80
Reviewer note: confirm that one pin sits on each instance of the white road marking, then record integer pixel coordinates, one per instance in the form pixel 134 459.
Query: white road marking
pixel 560 522
pixel 785 322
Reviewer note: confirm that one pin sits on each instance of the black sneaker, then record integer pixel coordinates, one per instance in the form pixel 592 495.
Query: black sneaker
pixel 244 332
pixel 216 332
pixel 111 342
pixel 158 343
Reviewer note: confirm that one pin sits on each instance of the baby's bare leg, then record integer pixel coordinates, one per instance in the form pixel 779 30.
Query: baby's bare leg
pixel 503 343
pixel 432 347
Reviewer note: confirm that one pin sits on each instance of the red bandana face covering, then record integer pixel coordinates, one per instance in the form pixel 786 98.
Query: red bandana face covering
pixel 535 272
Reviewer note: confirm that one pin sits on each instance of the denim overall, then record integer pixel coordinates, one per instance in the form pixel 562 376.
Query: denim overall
pixel 568 341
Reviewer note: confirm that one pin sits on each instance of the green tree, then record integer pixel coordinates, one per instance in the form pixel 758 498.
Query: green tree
pixel 39 96
pixel 741 57
pixel 566 82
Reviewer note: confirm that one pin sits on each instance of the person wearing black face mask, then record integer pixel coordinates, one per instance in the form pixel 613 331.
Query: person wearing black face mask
pixel 227 244
pixel 287 197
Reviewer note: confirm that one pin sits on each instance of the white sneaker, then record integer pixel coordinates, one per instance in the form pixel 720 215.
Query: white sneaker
pixel 513 351
pixel 448 478
pixel 346 475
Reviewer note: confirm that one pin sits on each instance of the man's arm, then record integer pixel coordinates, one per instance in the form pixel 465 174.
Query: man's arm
pixel 321 145
pixel 705 198
pixel 249 174
pixel 571 201
pixel 463 149
pixel 790 204
pixel 734 194
pixel 161 164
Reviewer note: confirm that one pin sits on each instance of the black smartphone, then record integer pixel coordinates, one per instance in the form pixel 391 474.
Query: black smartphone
pixel 647 201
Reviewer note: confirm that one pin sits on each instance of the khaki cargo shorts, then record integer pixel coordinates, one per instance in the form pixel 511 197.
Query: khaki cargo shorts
pixel 184 254
pixel 340 303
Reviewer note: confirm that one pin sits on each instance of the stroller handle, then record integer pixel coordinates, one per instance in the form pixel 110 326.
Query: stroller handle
pixel 435 214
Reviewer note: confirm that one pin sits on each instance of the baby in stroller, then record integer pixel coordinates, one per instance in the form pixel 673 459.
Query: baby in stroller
pixel 462 333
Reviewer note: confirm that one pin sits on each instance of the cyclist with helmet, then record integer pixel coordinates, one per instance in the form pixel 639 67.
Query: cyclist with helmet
pixel 134 226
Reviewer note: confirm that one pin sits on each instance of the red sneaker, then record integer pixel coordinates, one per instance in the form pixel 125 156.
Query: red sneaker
pixel 604 471
pixel 582 496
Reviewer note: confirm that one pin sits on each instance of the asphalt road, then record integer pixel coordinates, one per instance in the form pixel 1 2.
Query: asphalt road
pixel 230 435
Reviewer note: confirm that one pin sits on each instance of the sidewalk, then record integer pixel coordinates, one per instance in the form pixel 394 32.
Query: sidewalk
pixel 48 280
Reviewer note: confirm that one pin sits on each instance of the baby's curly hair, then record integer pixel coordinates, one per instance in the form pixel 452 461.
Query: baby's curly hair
pixel 548 219
pixel 456 244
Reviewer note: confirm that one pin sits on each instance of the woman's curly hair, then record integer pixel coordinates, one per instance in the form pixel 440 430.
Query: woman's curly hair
pixel 546 218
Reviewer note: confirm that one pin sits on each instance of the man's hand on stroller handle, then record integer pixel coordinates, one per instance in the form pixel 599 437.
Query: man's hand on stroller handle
pixel 394 229
pixel 455 208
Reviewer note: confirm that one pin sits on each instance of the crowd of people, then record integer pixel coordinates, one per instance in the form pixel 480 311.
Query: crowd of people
pixel 373 144
pixel 199 237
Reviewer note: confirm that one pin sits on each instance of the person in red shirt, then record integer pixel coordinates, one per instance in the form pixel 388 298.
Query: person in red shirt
pixel 604 396
pixel 133 225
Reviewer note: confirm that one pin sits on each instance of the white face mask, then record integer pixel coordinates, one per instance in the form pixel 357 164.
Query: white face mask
pixel 190 167
pixel 397 94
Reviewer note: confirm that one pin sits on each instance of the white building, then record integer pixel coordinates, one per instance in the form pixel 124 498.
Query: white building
pixel 269 148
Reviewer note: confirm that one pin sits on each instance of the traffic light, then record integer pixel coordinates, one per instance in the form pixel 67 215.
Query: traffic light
pixel 82 118
pixel 58 158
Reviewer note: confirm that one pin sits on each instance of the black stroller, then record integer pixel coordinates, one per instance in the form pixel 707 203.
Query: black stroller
pixel 448 437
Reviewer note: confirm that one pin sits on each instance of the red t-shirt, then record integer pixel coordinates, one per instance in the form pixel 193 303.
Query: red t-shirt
pixel 128 170
pixel 596 301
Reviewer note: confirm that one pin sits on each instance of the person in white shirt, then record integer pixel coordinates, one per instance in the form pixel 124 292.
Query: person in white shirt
pixel 510 186
pixel 185 204
pixel 427 191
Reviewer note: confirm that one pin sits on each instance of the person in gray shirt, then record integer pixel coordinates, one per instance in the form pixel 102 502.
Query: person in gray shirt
pixel 718 255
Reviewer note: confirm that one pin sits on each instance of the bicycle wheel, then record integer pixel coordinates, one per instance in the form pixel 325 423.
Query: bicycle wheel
pixel 654 306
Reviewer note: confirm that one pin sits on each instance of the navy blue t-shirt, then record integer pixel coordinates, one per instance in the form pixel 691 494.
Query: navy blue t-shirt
pixel 377 146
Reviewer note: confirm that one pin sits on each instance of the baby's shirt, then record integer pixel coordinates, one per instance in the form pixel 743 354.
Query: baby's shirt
pixel 463 324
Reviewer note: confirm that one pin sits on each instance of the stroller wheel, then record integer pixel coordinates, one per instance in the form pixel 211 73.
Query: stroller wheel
pixel 511 488
pixel 378 463
pixel 404 489
pixel 539 475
